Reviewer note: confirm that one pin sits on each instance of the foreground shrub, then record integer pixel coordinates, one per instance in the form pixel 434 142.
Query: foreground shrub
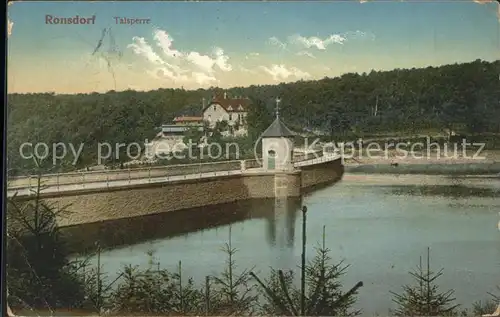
pixel 320 293
pixel 424 298
pixel 39 276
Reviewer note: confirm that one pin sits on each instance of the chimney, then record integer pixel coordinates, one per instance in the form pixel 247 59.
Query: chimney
pixel 203 103
pixel 225 95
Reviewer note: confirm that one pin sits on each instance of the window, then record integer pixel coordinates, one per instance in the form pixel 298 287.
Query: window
pixel 215 108
pixel 230 117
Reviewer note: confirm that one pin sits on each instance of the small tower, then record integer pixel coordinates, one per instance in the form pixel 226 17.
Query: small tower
pixel 277 145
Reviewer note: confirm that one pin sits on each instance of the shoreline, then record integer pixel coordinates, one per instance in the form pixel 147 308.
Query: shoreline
pixel 393 156
pixel 420 163
pixel 385 179
pixel 490 171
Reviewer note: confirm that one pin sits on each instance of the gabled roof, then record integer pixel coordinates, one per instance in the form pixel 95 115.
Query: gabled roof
pixel 277 129
pixel 230 104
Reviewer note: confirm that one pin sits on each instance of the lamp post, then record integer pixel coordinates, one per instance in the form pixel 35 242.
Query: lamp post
pixel 303 268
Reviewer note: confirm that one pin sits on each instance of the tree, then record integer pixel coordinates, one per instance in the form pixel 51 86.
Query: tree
pixel 193 134
pixel 481 116
pixel 39 274
pixel 337 119
pixel 320 293
pixel 259 118
pixel 155 291
pixel 424 298
pixel 234 290
pixel 452 113
pixel 461 96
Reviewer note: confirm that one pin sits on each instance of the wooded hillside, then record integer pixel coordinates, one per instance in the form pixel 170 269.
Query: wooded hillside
pixel 461 96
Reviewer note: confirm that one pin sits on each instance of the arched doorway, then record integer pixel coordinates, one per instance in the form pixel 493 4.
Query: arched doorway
pixel 271 159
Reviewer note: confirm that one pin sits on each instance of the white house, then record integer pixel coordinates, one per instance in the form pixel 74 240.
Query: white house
pixel 232 110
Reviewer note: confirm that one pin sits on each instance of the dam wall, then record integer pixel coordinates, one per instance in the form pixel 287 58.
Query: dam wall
pixel 103 204
pixel 321 174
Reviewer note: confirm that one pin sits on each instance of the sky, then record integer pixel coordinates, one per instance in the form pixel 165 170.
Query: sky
pixel 226 44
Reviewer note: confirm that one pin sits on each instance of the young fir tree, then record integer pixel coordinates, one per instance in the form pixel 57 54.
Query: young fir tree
pixel 234 294
pixel 39 274
pixel 320 293
pixel 424 298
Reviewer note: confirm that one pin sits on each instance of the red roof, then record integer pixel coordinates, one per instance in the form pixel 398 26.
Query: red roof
pixel 191 119
pixel 232 104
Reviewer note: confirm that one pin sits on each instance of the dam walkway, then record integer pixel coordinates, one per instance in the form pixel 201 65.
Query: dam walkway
pixel 59 184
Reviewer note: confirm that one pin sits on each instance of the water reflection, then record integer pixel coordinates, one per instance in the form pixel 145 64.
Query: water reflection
pixel 379 234
pixel 281 222
pixel 280 215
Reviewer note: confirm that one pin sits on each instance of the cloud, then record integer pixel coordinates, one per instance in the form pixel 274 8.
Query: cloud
pixel 317 42
pixel 167 73
pixel 180 66
pixel 313 41
pixel 142 48
pixel 164 41
pixel 246 70
pixel 322 43
pixel 203 62
pixel 497 10
pixel 10 24
pixel 204 79
pixel 221 60
pixel 207 63
pixel 359 35
pixel 306 53
pixel 276 42
pixel 252 55
pixel 280 72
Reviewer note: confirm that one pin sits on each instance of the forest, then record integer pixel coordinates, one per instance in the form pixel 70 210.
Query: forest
pixel 463 97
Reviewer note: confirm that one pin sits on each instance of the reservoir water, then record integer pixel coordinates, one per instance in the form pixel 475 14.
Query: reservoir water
pixel 378 224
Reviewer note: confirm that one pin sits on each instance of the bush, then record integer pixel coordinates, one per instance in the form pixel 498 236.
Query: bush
pixel 320 292
pixel 38 272
pixel 424 298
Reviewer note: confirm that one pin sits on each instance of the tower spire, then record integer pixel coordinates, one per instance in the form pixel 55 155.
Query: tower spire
pixel 278 101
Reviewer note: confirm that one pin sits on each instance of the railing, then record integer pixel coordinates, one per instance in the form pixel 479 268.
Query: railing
pixel 139 173
pixel 325 157
pixel 253 163
pixel 307 156
pixel 102 179
pixel 56 188
pixel 128 174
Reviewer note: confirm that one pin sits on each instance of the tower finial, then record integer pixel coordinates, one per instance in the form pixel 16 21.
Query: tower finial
pixel 278 100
